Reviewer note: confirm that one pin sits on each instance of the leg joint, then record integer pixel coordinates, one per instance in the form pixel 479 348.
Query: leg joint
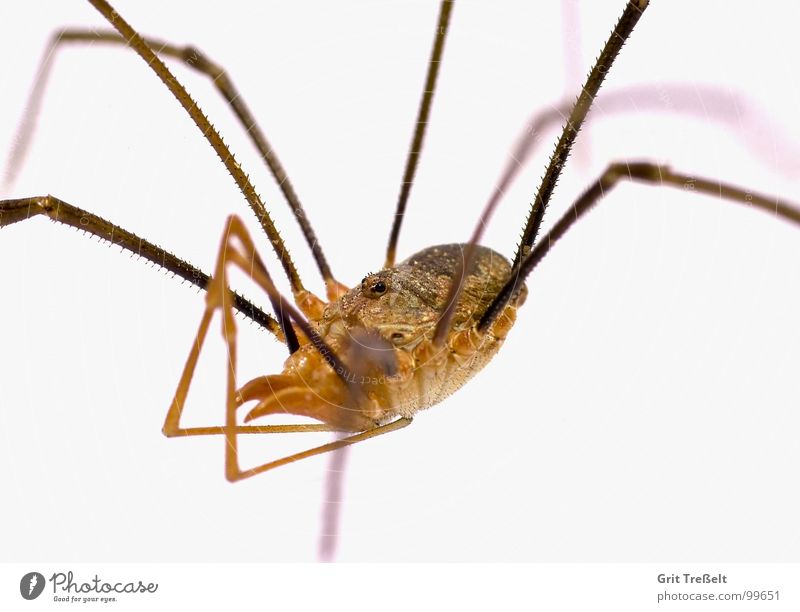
pixel 642 171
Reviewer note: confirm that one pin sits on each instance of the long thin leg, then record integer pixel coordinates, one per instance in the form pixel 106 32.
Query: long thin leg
pixel 653 174
pixel 238 249
pixel 707 103
pixel 135 41
pixel 14 211
pixel 621 32
pixel 419 132
pixel 633 11
pixel 193 58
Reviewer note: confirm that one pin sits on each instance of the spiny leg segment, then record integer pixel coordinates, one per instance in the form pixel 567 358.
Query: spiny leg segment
pixel 195 59
pixel 652 174
pixel 14 211
pixel 716 105
pixel 528 257
pixel 301 295
pixel 623 29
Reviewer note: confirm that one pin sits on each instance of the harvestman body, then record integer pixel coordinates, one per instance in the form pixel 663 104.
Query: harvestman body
pixel 370 357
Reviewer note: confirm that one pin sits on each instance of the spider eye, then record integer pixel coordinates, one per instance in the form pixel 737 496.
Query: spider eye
pixel 378 288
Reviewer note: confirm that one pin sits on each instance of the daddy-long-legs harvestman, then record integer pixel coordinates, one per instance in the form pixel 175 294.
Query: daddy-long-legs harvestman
pixel 110 387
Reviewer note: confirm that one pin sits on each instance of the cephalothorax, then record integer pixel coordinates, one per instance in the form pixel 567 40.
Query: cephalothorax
pixel 384 330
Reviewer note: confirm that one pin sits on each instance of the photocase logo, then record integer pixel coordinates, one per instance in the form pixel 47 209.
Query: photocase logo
pixel 31 585
pixel 67 589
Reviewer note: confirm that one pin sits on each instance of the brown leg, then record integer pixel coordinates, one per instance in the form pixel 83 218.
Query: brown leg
pixel 193 58
pixel 630 16
pixel 414 151
pixel 14 211
pixel 633 11
pixel 645 172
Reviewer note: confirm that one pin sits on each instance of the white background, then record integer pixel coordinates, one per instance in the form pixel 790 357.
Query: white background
pixel 644 408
